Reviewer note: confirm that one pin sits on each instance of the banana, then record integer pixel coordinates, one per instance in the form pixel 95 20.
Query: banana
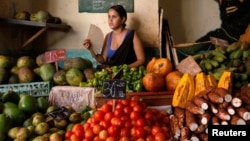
pixel 234 46
pixel 217 53
pixel 202 65
pixel 237 54
pixel 246 53
pixel 214 63
pixel 208 65
pixel 221 49
pixel 197 57
pixel 218 59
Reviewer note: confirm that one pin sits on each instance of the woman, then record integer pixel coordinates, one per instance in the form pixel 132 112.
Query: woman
pixel 121 45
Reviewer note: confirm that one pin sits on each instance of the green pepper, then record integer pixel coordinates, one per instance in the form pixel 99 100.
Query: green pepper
pixel 137 86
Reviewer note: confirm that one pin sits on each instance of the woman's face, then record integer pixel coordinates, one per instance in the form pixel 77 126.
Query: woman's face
pixel 114 19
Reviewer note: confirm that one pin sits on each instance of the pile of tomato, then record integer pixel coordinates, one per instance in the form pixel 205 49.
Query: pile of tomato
pixel 123 120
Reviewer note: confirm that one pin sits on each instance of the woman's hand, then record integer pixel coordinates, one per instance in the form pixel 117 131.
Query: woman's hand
pixel 87 43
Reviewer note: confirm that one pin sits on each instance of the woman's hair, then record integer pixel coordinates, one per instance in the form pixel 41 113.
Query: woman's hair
pixel 121 11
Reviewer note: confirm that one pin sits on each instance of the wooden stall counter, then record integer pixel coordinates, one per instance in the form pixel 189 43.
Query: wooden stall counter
pixel 150 98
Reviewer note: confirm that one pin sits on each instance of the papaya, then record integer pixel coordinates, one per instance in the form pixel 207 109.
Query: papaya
pixel 28 104
pixel 78 63
pixel 200 83
pixel 74 76
pixel 47 72
pixel 225 81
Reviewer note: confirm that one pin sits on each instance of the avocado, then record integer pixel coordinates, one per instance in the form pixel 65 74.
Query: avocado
pixel 28 104
pixel 5 123
pixel 42 104
pixel 16 115
pixel 11 96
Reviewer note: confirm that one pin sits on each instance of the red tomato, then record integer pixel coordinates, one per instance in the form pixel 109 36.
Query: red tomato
pixel 97 128
pixel 124 132
pixel 113 131
pixel 78 130
pixel 77 126
pixel 125 102
pixel 135 98
pixel 137 108
pixel 119 106
pixel 140 122
pixel 110 138
pixel 105 124
pixel 96 138
pixel 98 115
pixel 87 139
pixel 140 139
pixel 127 124
pixel 118 112
pixel 150 138
pixel 166 120
pixel 127 110
pixel 86 126
pixel 68 134
pixel 140 132
pixel 125 118
pixel 73 137
pixel 79 133
pixel 148 129
pixel 106 108
pixel 134 115
pixel 132 132
pixel 149 116
pixel 108 116
pixel 124 139
pixel 89 134
pixel 133 103
pixel 117 122
pixel 156 129
pixel 160 136
pixel 103 134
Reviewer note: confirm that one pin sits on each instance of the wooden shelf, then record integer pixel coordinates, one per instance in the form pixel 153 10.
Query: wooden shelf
pixel 42 25
pixel 150 98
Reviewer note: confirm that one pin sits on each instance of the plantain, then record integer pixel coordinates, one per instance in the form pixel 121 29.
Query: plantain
pixel 233 46
pixel 237 54
pixel 198 57
pixel 208 65
pixel 202 65
pixel 221 49
pixel 214 63
pixel 218 54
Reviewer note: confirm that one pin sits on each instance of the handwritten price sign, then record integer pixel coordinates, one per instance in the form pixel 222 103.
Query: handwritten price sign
pixel 114 88
pixel 55 55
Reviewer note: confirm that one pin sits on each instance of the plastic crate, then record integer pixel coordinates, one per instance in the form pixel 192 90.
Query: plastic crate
pixel 35 89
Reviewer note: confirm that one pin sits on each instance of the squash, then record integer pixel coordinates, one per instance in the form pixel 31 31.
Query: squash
pixel 225 81
pixel 211 81
pixel 184 91
pixel 163 66
pixel 200 83
pixel 172 79
pixel 153 82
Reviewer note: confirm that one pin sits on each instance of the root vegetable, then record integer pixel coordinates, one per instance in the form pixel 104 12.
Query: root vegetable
pixel 236 102
pixel 230 110
pixel 201 102
pixel 194 138
pixel 224 123
pixel 215 98
pixel 236 120
pixel 243 113
pixel 224 94
pixel 175 127
pixel 185 134
pixel 191 121
pixel 204 137
pixel 205 118
pixel 180 114
pixel 213 108
pixel 201 129
pixel 223 105
pixel 223 115
pixel 191 107
pixel 215 121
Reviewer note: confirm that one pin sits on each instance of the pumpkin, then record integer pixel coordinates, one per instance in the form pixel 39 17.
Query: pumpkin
pixel 153 82
pixel 172 80
pixel 163 66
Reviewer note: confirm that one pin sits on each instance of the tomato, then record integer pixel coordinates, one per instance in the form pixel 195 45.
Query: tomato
pixel 103 134
pixel 119 106
pixel 132 132
pixel 113 131
pixel 127 110
pixel 97 128
pixel 150 137
pixel 78 130
pixel 79 133
pixel 125 102
pixel 166 131
pixel 110 138
pixel 89 133
pixel 133 103
pixel 128 124
pixel 148 129
pixel 156 129
pixel 73 137
pixel 166 120
pixel 117 121
pixel 106 108
pixel 86 126
pixel 77 126
pixel 108 116
pixel 140 139
pixel 134 115
pixel 140 132
pixel 124 132
pixel 125 118
pixel 68 134
pixel 105 124
pixel 149 116
pixel 160 136
pixel 118 112
pixel 87 139
pixel 137 108
pixel 135 98
pixel 98 115
pixel 96 138
pixel 124 139
pixel 140 122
